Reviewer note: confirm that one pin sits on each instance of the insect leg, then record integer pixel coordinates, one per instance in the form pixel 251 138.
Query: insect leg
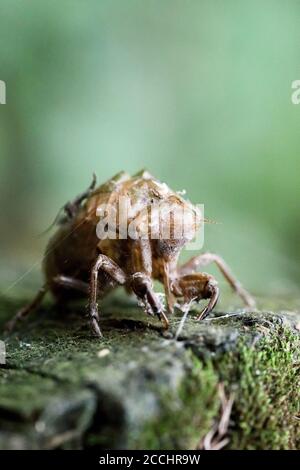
pixel 117 274
pixel 71 283
pixel 23 312
pixel 213 289
pixel 207 258
pixel 198 286
pixel 141 283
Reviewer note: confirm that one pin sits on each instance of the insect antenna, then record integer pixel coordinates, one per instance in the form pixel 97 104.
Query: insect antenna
pixel 70 207
pixel 55 221
pixel 209 221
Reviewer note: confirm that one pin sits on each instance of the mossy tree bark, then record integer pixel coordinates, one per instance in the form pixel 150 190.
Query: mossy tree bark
pixel 60 387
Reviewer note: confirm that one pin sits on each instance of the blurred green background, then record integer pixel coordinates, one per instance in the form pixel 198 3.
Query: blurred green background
pixel 198 92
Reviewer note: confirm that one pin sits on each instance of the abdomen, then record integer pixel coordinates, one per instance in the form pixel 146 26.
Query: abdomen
pixel 70 252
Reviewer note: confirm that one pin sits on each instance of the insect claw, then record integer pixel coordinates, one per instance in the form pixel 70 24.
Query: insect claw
pixel 214 290
pixel 164 319
pixel 94 315
pixel 96 328
pixel 203 314
pixel 158 309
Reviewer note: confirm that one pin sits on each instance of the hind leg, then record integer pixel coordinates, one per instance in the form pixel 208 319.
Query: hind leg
pixel 67 282
pixel 24 311
pixel 60 280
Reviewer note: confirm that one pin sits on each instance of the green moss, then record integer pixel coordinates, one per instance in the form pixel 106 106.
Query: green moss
pixel 265 380
pixel 150 392
pixel 265 383
pixel 22 394
pixel 186 418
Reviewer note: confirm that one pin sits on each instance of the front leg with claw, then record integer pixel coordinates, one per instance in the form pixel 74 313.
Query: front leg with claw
pixel 205 259
pixel 103 263
pixel 198 286
pixel 141 285
pixel 140 280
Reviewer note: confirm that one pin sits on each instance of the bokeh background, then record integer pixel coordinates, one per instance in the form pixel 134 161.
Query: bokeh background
pixel 198 92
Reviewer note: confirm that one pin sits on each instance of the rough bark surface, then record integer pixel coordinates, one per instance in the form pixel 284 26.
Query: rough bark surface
pixel 60 387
